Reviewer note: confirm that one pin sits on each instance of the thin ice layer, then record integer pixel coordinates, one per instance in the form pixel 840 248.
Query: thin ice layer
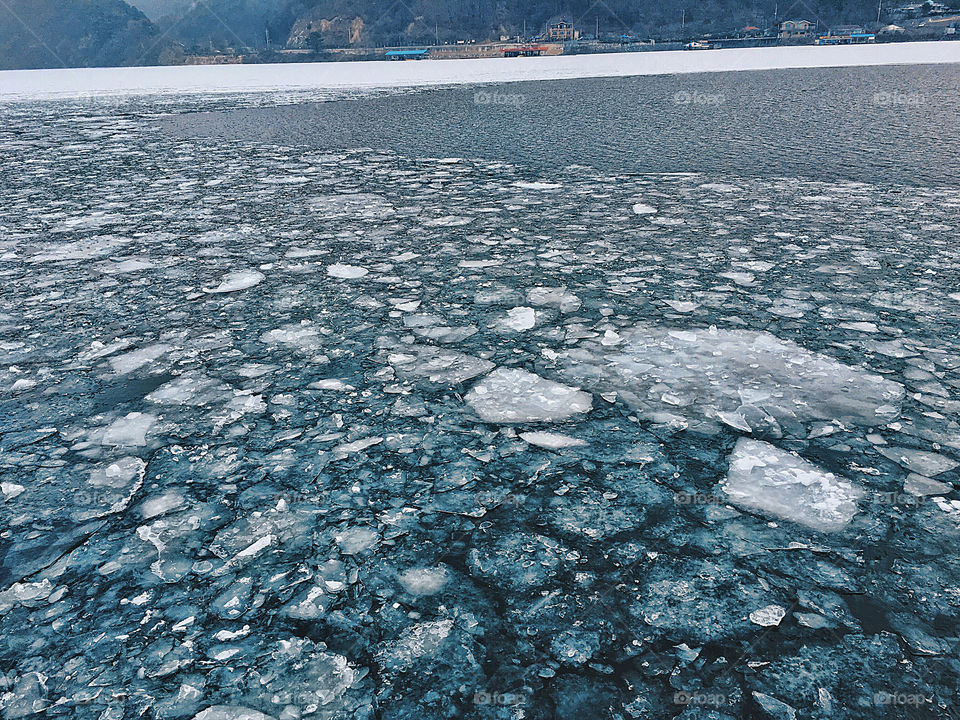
pixel 764 478
pixel 753 381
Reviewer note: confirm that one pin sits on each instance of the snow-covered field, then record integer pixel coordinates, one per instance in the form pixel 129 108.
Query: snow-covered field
pixel 21 84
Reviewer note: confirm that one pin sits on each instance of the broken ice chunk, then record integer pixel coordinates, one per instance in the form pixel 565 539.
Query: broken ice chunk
pixel 438 365
pixel 130 361
pixel 752 381
pixel 346 272
pixel 130 430
pixel 518 319
pixel 230 712
pixel 769 616
pixel 558 298
pixel 922 486
pixel 644 209
pixel 235 281
pixel 424 581
pixel 512 395
pixel 921 462
pixel 773 481
pixel 551 441
pixel 355 540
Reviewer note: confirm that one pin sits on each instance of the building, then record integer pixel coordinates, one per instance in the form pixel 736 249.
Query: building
pixel 795 29
pixel 561 31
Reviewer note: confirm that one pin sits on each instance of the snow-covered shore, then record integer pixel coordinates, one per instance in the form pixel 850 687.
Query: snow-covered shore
pixel 34 84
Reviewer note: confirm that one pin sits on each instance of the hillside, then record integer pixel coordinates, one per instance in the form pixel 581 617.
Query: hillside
pixel 74 33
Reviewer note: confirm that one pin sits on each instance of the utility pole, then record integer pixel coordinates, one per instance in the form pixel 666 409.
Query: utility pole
pixel 879 9
pixel 683 19
pixel 597 36
pixel 266 31
pixel 437 29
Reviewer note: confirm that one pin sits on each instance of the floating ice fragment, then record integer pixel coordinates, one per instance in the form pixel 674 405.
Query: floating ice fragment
pixel 867 327
pixel 518 319
pixel 421 642
pixel 231 712
pixel 769 616
pixel 512 395
pixel 742 378
pixel 304 337
pixel 354 541
pixel 921 462
pixel 236 281
pixel 346 272
pixel 331 384
pixel 356 446
pixel 551 441
pixel 438 365
pixel 773 481
pixel 10 490
pixel 773 708
pixel 643 209
pixel 424 581
pixel 922 486
pixel 128 362
pixel 130 430
pixel 537 185
pixel 682 306
pixel 559 298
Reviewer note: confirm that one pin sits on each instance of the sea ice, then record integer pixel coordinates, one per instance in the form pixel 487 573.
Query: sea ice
pixel 128 362
pixel 775 482
pixel 437 365
pixel 768 616
pixel 518 319
pixel 346 272
pixel 230 712
pixel 512 395
pixel 753 381
pixel 424 581
pixel 130 430
pixel 551 441
pixel 558 298
pixel 643 209
pixel 921 462
pixel 235 281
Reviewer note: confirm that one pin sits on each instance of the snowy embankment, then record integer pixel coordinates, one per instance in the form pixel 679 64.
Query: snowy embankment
pixel 26 84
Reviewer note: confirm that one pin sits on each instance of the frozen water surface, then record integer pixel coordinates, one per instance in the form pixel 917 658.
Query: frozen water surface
pixel 299 432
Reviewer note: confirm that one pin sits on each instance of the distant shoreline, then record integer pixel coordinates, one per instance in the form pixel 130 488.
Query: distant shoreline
pixel 23 85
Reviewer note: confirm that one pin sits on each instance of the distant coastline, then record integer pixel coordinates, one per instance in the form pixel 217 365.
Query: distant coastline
pixel 16 85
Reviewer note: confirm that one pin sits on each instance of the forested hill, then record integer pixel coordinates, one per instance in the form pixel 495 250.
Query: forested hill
pixel 233 23
pixel 75 33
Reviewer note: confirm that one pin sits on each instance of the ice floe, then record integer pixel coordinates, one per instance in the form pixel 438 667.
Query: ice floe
pixel 236 281
pixel 780 484
pixel 512 395
pixel 753 381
